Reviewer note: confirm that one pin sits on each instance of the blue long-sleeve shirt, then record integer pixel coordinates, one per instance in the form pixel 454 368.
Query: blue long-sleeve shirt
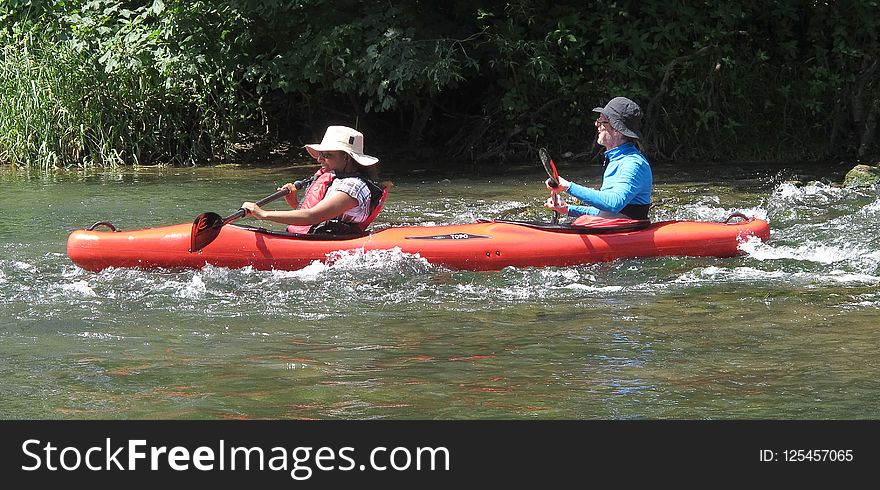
pixel 627 180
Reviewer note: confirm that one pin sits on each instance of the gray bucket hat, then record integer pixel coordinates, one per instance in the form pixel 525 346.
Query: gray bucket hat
pixel 624 116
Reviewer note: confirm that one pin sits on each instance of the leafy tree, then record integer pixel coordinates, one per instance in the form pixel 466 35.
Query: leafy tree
pixel 111 81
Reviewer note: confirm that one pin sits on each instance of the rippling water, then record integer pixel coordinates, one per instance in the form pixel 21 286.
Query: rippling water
pixel 788 330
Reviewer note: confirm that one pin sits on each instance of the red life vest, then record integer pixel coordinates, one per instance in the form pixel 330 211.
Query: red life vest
pixel 318 190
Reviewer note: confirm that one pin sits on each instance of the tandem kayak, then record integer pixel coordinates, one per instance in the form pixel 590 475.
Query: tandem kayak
pixel 479 246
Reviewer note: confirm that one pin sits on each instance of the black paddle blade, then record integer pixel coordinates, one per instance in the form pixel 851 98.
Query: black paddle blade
pixel 205 229
pixel 549 166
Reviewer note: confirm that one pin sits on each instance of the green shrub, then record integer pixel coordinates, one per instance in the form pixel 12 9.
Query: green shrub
pixel 105 82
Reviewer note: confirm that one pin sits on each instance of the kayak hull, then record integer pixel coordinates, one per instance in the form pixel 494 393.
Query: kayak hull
pixel 482 246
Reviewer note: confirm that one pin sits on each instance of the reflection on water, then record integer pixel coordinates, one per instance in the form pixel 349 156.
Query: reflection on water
pixel 788 330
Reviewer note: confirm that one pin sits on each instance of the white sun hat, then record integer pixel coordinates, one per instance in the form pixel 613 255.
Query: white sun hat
pixel 343 138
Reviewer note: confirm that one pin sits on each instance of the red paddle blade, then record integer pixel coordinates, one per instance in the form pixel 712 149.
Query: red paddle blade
pixel 205 229
pixel 550 168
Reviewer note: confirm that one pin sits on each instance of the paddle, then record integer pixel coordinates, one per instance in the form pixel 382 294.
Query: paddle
pixel 550 167
pixel 206 226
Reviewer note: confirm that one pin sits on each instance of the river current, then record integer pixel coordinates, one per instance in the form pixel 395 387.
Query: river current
pixel 787 330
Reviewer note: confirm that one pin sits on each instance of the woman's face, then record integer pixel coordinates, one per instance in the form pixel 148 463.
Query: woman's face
pixel 608 136
pixel 333 160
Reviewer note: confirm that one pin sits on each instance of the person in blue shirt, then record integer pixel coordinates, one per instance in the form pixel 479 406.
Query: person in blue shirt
pixel 627 182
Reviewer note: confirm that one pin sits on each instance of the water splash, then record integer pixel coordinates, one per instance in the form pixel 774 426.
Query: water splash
pixel 773 277
pixel 705 211
pixel 194 289
pixel 78 288
pixel 818 203
pixel 808 251
pixel 812 194
pixel 819 226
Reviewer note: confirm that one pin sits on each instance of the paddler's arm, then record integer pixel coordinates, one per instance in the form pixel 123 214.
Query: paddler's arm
pixel 556 204
pixel 567 209
pixel 330 207
pixel 622 185
pixel 291 197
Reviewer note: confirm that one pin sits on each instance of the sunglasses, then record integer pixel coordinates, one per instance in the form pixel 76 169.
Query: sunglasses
pixel 326 155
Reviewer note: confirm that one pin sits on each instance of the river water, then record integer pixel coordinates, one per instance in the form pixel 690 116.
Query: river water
pixel 788 330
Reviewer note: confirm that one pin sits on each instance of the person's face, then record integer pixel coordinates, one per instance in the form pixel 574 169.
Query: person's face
pixel 608 136
pixel 332 160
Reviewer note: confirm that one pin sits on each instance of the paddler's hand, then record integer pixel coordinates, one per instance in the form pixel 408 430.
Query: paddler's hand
pixel 251 209
pixel 561 187
pixel 291 197
pixel 555 203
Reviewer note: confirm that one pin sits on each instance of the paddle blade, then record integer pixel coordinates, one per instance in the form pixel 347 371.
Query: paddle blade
pixel 549 166
pixel 205 229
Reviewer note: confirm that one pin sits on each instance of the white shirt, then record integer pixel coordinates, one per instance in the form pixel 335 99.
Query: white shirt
pixel 357 189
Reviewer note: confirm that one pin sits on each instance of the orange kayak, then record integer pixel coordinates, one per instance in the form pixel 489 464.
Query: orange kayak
pixel 481 246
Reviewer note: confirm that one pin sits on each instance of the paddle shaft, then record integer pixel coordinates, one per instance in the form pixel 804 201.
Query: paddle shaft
pixel 266 200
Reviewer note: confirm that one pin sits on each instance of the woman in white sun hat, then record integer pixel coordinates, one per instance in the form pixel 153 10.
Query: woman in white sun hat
pixel 342 197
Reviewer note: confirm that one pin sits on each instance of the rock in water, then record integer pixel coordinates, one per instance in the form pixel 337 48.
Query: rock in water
pixel 862 175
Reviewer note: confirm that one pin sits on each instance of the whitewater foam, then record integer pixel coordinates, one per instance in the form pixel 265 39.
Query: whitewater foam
pixel 79 288
pixel 809 252
pixel 194 289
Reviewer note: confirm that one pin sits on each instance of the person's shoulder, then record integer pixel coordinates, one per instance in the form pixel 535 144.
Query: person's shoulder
pixel 634 152
pixel 347 179
pixel 350 180
pixel 351 185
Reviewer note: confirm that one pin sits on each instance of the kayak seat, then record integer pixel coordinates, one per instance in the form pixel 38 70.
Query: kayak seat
pixel 304 236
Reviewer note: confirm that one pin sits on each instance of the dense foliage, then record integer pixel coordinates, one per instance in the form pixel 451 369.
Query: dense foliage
pixel 104 82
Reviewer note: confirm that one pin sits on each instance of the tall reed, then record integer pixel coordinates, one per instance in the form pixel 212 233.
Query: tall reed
pixel 59 107
pixel 45 119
